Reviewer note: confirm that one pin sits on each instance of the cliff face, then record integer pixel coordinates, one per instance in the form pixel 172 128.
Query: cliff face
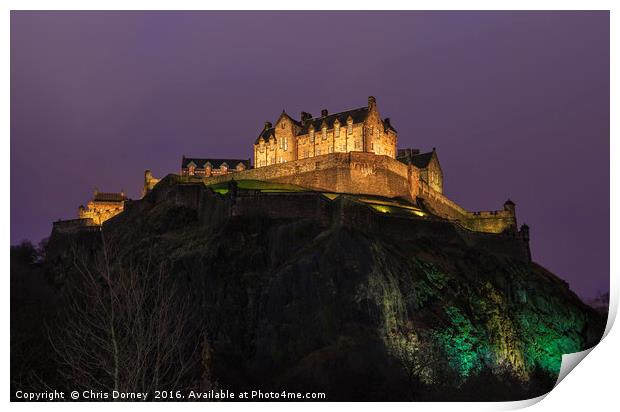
pixel 297 304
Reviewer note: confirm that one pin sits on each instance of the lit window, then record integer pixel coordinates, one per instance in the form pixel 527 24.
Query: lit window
pixel 324 133
pixel 337 129
pixel 330 149
pixel 350 128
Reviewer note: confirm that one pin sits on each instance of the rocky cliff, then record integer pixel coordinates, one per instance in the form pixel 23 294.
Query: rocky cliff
pixel 305 305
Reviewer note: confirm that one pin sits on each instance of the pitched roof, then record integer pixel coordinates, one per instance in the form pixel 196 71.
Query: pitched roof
pixel 109 197
pixel 357 115
pixel 215 163
pixel 422 160
pixel 387 125
pixel 265 134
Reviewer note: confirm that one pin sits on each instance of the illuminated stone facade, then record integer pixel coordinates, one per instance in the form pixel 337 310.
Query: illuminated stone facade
pixel 357 130
pixel 103 207
pixel 419 181
pixel 352 152
pixel 149 182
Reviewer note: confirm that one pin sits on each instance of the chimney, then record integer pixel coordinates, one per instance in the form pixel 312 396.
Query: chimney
pixel 305 116
pixel 323 112
pixel 372 102
pixel 387 122
pixel 267 125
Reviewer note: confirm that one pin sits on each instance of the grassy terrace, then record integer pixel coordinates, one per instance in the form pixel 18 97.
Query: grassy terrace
pixel 273 187
pixel 377 203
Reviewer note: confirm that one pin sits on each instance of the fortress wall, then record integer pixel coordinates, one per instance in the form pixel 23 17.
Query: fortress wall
pixel 188 195
pixel 495 221
pixel 214 208
pixel 354 215
pixel 440 204
pixel 491 222
pixel 353 172
pixel 74 226
pixel 282 205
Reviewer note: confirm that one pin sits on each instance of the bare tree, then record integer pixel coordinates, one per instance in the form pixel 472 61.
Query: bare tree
pixel 126 326
pixel 417 357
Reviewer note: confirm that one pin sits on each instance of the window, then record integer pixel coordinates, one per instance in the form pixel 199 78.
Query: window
pixel 337 129
pixel 285 144
pixel 372 146
pixel 281 159
pixel 306 154
pixel 330 149
pixel 324 132
pixel 318 151
pixel 311 135
pixel 350 128
pixel 282 125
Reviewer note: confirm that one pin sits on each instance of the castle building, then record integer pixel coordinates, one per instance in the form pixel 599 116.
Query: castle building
pixel 353 153
pixel 357 130
pixel 426 163
pixel 212 167
pixel 102 207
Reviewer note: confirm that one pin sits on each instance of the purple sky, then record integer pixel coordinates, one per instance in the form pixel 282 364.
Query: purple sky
pixel 516 103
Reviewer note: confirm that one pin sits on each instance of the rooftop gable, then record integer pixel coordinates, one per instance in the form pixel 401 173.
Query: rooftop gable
pixel 215 163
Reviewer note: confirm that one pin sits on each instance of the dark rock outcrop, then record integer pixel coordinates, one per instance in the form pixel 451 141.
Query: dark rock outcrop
pixel 302 305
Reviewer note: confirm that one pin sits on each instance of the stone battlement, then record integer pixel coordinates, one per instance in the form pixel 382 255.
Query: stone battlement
pixel 75 225
pixel 370 174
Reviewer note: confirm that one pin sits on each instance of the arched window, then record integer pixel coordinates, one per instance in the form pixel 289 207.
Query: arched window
pixel 337 129
pixel 324 132
pixel 350 127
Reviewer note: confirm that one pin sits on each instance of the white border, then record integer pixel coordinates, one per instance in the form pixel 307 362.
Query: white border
pixel 591 387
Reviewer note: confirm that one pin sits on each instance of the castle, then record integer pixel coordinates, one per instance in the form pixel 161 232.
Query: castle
pixel 357 130
pixel 102 207
pixel 351 153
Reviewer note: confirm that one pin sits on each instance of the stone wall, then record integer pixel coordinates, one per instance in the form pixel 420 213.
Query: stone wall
pixel 370 174
pixel 213 209
pixel 75 226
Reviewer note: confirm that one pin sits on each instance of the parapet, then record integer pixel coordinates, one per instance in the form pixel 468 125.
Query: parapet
pixel 73 226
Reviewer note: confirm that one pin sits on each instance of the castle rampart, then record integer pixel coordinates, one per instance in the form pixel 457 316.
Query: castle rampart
pixel 73 226
pixel 370 174
pixel 213 209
